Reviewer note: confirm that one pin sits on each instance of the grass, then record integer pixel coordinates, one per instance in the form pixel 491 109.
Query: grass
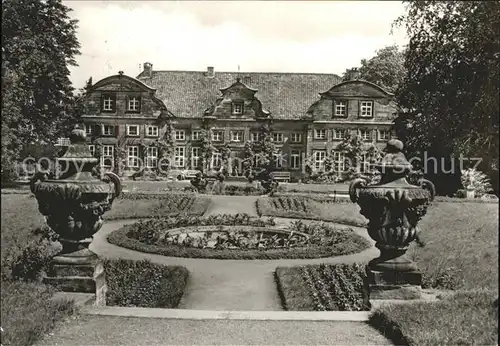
pixel 323 287
pixel 461 249
pixel 353 243
pixel 144 284
pixel 465 318
pixel 303 207
pixel 28 312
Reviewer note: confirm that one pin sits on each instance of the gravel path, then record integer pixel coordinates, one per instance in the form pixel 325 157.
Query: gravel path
pixel 108 330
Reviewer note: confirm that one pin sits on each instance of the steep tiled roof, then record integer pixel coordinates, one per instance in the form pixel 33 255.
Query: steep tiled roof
pixel 285 95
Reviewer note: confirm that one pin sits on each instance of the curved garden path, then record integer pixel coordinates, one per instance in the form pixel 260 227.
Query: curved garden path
pixel 225 284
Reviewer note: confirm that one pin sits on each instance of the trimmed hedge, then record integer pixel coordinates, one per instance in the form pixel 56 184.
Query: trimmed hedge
pixel 143 236
pixel 323 287
pixel 144 284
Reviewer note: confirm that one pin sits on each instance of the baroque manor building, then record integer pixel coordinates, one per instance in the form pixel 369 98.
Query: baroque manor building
pixel 310 114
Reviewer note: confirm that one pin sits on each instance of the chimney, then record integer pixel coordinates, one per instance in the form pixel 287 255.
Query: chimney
pixel 352 74
pixel 148 69
pixel 210 72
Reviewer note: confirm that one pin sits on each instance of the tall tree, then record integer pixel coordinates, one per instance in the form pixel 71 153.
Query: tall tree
pixel 385 69
pixel 39 43
pixel 450 92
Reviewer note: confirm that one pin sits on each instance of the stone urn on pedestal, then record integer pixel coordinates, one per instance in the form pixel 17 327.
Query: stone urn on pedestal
pixel 393 207
pixel 73 205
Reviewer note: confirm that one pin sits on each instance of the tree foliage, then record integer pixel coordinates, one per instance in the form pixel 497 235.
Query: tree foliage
pixel 385 69
pixel 39 43
pixel 450 92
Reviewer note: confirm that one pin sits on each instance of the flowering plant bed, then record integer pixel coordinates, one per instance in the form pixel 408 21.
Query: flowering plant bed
pixel 322 287
pixel 311 208
pixel 236 237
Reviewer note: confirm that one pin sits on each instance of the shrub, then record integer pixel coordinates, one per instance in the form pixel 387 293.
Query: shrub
pixel 476 180
pixel 323 287
pixel 144 284
pixel 29 263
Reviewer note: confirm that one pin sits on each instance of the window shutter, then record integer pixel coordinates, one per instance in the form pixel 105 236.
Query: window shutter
pixel 334 107
pixel 359 108
pixel 113 103
pixel 116 130
pixel 139 98
pixel 127 100
pixel 346 108
pixel 97 129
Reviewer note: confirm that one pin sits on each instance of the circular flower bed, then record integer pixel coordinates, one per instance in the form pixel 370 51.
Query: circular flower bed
pixel 237 237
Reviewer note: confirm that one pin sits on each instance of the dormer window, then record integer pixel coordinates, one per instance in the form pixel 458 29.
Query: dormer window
pixel 366 109
pixel 109 103
pixel 237 108
pixel 134 104
pixel 340 108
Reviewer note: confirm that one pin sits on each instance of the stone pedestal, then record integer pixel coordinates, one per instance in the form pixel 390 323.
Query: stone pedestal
pixel 80 271
pixel 393 285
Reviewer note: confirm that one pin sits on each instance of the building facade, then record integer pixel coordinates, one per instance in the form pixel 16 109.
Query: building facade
pixel 309 114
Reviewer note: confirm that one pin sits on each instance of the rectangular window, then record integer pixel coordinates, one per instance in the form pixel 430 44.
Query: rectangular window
pixel 195 135
pixel 366 109
pixel 152 131
pixel 151 157
pixel 133 130
pixel 340 108
pixel 180 135
pixel 320 134
pixel 319 158
pixel 296 137
pixel 384 135
pixel 278 161
pixel 278 137
pixel 195 157
pixel 107 156
pixel 133 156
pixel 339 133
pixel 89 129
pixel 217 136
pixel 92 149
pixel 366 135
pixel 216 160
pixel 179 156
pixel 108 103
pixel 295 159
pixel 365 162
pixel 254 136
pixel 237 108
pixel 108 130
pixel 338 162
pixel 236 136
pixel 134 104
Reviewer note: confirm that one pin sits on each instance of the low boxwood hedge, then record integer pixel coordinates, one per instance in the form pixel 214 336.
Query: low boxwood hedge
pixel 144 284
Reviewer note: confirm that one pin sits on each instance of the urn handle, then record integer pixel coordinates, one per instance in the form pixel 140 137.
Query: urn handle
pixel 116 181
pixel 353 188
pixel 429 186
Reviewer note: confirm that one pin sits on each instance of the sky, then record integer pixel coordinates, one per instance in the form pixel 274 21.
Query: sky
pixel 256 36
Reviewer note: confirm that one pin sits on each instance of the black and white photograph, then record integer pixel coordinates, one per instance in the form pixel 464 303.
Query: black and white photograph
pixel 249 172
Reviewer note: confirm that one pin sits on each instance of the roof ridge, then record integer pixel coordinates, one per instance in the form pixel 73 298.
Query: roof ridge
pixel 243 73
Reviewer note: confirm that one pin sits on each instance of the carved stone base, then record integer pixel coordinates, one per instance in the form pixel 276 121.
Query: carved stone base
pixel 391 260
pixel 392 285
pixel 81 271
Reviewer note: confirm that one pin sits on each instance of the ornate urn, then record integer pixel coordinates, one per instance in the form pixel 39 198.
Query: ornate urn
pixel 73 206
pixel 393 207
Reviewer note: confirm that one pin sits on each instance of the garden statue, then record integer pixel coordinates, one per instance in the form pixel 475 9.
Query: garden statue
pixel 393 208
pixel 73 205
pixel 199 182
